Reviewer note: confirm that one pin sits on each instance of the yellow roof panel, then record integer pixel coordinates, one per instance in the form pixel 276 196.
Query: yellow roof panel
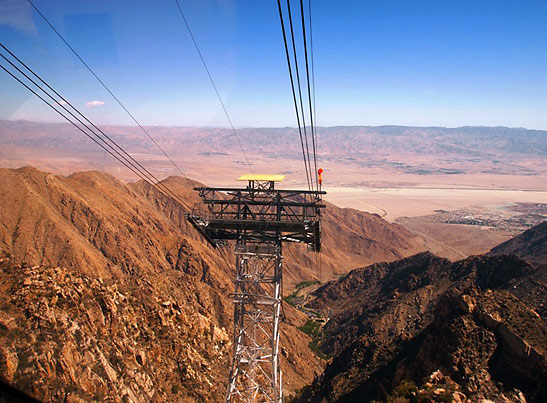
pixel 261 178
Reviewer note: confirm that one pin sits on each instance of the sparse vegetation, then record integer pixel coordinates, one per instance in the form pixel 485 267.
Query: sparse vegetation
pixel 314 346
pixel 294 299
pixel 403 392
pixel 407 391
pixel 291 299
pixel 313 329
pixel 304 284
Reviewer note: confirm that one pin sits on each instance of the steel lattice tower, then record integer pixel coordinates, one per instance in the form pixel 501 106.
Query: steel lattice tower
pixel 259 218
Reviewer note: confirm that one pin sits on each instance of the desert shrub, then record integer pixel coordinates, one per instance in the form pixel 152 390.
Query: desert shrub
pixel 311 328
pixel 290 299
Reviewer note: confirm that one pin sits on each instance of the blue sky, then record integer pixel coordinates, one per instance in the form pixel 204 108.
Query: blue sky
pixel 420 63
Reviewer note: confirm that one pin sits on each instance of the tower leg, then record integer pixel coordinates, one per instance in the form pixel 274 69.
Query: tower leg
pixel 255 375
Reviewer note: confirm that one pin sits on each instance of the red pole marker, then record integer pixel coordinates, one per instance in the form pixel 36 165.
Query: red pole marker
pixel 320 171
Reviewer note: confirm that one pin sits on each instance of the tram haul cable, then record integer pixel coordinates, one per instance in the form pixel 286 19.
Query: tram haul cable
pixel 302 110
pixel 107 89
pixel 119 154
pixel 309 91
pixel 294 94
pixel 234 131
pixel 298 97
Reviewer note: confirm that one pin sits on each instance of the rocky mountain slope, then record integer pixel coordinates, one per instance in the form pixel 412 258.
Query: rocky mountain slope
pixel 92 218
pixel 531 245
pixel 104 283
pixel 350 239
pixel 69 336
pixel 424 328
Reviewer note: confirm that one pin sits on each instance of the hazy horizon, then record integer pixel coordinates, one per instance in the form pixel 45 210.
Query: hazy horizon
pixel 289 127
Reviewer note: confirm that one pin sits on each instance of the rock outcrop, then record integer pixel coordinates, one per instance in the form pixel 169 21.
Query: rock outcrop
pixel 70 337
pixel 393 325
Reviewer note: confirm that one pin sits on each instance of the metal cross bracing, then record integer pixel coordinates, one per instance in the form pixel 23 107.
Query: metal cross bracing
pixel 259 218
pixel 255 374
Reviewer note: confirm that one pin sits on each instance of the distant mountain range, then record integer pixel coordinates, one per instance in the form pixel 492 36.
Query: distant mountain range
pixel 361 144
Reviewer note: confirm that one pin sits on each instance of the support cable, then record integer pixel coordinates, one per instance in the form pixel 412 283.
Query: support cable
pixel 312 114
pixel 300 91
pixel 88 135
pixel 312 69
pixel 318 265
pixel 122 156
pixel 294 94
pixel 213 84
pixel 64 116
pixel 107 89
pixel 63 106
pixel 309 92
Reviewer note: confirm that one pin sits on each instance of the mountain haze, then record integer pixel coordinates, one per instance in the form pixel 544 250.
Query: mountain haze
pixel 408 150
pixel 338 140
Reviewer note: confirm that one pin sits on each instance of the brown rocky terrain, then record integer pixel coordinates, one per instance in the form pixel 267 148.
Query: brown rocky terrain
pixel 109 294
pixel 350 238
pixel 426 329
pixel 53 220
pixel 69 336
pixel 531 245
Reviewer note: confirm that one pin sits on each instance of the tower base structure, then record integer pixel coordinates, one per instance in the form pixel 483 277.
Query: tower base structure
pixel 259 218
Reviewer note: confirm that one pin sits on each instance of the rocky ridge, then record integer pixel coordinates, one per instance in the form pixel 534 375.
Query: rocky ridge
pixel 530 245
pixel 95 269
pixel 130 237
pixel 394 325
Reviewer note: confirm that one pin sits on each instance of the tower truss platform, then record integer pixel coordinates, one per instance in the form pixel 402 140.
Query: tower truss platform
pixel 259 218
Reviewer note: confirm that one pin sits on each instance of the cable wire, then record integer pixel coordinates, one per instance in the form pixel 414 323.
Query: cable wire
pixel 312 68
pixel 106 88
pixel 311 98
pixel 313 90
pixel 318 265
pixel 123 157
pixel 213 84
pixel 80 129
pixel 300 92
pixel 309 92
pixel 294 94
pixel 128 158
